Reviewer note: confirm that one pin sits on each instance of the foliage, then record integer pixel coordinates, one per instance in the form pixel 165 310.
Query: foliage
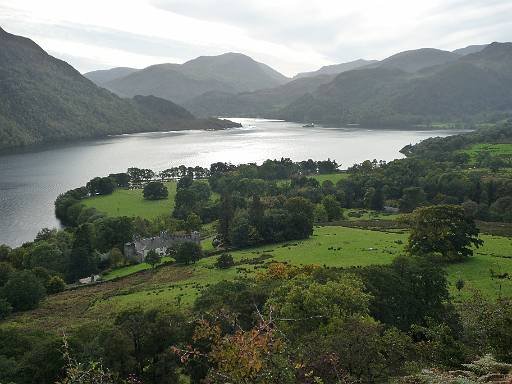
pixel 155 190
pixel 101 186
pixel 443 229
pixel 55 285
pixel 153 258
pixel 224 261
pixel 23 291
pixel 187 252
pixel 6 270
pixel 332 207
pixel 5 308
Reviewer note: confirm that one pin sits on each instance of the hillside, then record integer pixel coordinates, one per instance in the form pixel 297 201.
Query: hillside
pixel 476 87
pixel 230 72
pixel 336 68
pixel 417 59
pixel 43 99
pixel 103 76
pixel 469 49
pixel 411 87
pixel 259 103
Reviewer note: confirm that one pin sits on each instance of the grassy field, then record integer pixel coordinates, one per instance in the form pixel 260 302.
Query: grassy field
pixel 334 177
pixel 172 286
pixel 499 150
pixel 130 202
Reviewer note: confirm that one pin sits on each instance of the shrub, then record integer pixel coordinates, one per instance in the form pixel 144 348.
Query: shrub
pixel 55 285
pixel 23 291
pixel 224 261
pixel 5 308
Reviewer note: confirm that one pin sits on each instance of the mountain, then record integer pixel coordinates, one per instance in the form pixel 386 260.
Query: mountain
pixel 44 99
pixel 230 72
pixel 417 59
pixel 469 49
pixel 104 76
pixel 336 68
pixel 268 102
pixel 477 86
pixel 259 103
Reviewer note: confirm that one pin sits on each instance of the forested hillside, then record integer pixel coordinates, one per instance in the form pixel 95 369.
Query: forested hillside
pixel 476 87
pixel 43 99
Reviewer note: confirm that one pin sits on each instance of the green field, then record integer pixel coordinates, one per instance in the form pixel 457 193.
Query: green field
pixel 499 150
pixel 171 286
pixel 130 202
pixel 334 177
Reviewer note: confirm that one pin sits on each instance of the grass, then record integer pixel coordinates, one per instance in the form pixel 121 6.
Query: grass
pixel 131 203
pixel 498 150
pixel 172 286
pixel 130 270
pixel 496 255
pixel 334 177
pixel 354 214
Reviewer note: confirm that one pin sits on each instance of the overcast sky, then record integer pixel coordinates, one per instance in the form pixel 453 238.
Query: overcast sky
pixel 290 35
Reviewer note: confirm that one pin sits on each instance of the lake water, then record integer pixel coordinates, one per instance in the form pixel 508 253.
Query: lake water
pixel 30 182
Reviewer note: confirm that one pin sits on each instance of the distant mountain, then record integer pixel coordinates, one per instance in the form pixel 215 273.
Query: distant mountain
pixel 336 68
pixel 415 60
pixel 104 76
pixel 495 57
pixel 259 103
pixel 230 72
pixel 43 99
pixel 475 86
pixel 469 49
pixel 288 99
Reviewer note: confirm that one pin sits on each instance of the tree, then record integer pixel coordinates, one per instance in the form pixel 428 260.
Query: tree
pixel 121 179
pixel 5 308
pixel 311 305
pixel 153 258
pixel 443 229
pixel 193 222
pixel 113 232
pixel 6 270
pixel 4 252
pixel 101 186
pixel 47 255
pixel 241 232
pixel 188 252
pixel 299 223
pixel 23 291
pixel 332 207
pixel 412 197
pixel 407 292
pixel 82 261
pixel 55 285
pixel 116 257
pixel 155 190
pixel 224 261
pixel 320 213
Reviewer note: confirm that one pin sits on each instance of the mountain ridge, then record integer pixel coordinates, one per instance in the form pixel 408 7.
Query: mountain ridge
pixel 229 72
pixel 45 100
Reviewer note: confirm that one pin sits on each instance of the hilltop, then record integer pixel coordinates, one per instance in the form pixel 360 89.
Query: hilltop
pixel 229 72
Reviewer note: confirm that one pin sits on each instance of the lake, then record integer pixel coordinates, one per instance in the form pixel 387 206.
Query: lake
pixel 30 182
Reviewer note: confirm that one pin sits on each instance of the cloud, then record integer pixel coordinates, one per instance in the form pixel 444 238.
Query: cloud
pixel 290 35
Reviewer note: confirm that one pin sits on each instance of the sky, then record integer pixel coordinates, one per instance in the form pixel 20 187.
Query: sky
pixel 289 35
